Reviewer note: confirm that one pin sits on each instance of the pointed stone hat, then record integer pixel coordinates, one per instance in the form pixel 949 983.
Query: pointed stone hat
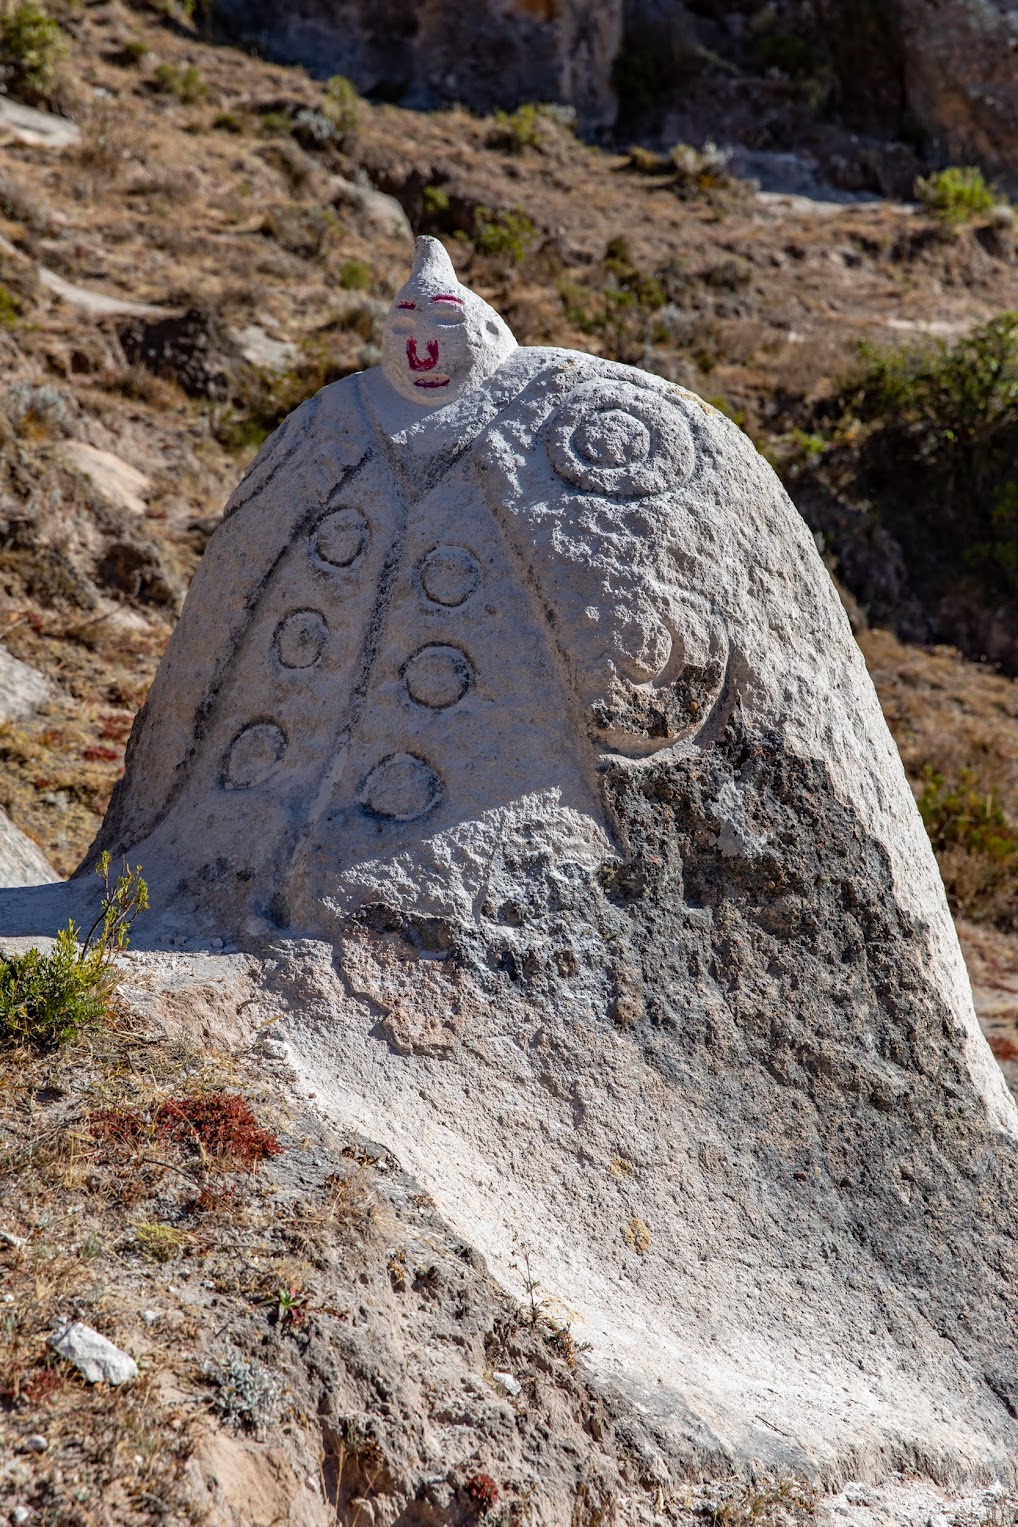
pixel 440 339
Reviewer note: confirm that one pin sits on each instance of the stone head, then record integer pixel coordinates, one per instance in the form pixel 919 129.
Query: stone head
pixel 440 338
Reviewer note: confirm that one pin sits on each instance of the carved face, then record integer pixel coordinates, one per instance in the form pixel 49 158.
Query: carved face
pixel 440 339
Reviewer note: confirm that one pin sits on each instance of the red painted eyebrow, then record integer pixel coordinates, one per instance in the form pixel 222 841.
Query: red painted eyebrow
pixel 445 297
pixel 408 304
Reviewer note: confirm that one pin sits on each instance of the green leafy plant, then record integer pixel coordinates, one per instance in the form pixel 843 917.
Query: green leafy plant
pixel 158 1242
pixel 926 439
pixel 32 47
pixel 956 195
pixel 47 1000
pixel 963 814
pixel 507 233
pixel 516 131
pixel 341 106
pixel 10 308
pixel 186 84
pixel 355 276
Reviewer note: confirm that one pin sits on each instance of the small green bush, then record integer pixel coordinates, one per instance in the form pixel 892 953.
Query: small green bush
pixel 47 1000
pixel 10 309
pixel 133 51
pixel 508 232
pixel 230 122
pixel 355 276
pixel 186 84
pixel 956 195
pixel 158 1242
pixel 699 172
pixel 516 131
pixel 341 106
pixel 965 815
pixel 32 47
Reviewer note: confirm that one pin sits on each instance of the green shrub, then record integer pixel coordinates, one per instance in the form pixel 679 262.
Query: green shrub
pixel 699 172
pixel 341 106
pixel 927 438
pixel 10 309
pixel 230 122
pixel 47 1000
pixel 965 815
pixel 956 195
pixel 516 131
pixel 355 276
pixel 158 1242
pixel 186 84
pixel 645 162
pixel 508 232
pixel 32 46
pixel 133 51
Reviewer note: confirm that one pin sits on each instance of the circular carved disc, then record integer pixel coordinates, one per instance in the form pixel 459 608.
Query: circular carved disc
pixel 253 755
pixel 619 440
pixel 341 537
pixel 449 575
pixel 401 788
pixel 437 676
pixel 300 639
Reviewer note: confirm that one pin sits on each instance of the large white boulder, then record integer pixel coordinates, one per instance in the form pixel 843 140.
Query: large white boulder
pixel 514 724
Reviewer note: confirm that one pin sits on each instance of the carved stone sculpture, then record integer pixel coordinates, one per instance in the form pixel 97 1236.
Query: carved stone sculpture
pixel 514 722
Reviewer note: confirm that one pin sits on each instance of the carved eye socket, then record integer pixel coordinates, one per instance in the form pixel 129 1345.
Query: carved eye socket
pixel 446 315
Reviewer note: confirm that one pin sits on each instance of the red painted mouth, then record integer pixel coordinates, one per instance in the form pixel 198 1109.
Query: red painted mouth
pixel 444 383
pixel 414 360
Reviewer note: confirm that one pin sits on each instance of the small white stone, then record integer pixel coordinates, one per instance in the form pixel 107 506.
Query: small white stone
pixel 275 1049
pixel 20 1515
pixel 508 1383
pixel 36 1443
pixel 95 1357
pixel 150 1317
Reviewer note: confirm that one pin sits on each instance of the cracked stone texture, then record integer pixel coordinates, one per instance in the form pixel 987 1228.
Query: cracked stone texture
pixel 525 743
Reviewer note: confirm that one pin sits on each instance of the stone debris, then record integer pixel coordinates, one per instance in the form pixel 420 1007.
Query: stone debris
pixel 259 349
pixel 39 128
pixel 374 206
pixel 114 477
pixel 23 689
pixel 96 302
pixel 22 862
pixel 95 1357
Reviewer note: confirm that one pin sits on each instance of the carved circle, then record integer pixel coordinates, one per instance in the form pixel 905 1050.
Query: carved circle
pixel 401 788
pixel 253 755
pixel 619 440
pixel 300 638
pixel 437 676
pixel 612 438
pixel 449 575
pixel 341 536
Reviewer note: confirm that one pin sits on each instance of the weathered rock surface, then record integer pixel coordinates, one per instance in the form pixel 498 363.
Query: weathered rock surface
pixel 490 54
pixel 22 862
pixel 523 740
pixel 22 688
pixel 961 81
pixel 94 1356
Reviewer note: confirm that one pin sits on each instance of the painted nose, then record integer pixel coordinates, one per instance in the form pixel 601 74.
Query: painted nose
pixel 414 360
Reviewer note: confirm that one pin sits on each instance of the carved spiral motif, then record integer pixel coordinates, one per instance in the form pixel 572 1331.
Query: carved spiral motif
pixel 619 440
